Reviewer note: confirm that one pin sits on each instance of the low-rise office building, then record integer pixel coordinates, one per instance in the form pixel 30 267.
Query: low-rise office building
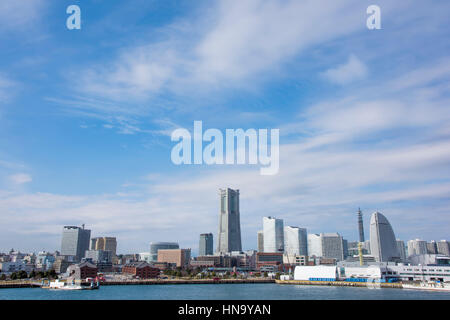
pixel 140 269
pixel 179 257
pixel 269 261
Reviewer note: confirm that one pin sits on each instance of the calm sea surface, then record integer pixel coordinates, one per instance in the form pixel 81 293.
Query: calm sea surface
pixel 266 291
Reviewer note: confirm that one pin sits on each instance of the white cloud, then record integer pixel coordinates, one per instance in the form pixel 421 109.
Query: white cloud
pixel 238 40
pixel 20 178
pixel 348 72
pixel 20 15
pixel 351 153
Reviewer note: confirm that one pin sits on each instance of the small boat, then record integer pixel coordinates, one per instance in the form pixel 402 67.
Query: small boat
pixel 60 285
pixel 430 285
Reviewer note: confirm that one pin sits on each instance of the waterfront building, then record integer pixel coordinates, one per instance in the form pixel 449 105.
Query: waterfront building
pixel 295 241
pixel 177 257
pixel 75 241
pixel 306 273
pixel 269 261
pixel 155 246
pixel 141 270
pixel 260 241
pixel 419 272
pixel 360 226
pixel 429 260
pixel 401 250
pixel 443 247
pixel 416 247
pixel 273 234
pixel 229 233
pixel 206 244
pixel 383 245
pixel 82 270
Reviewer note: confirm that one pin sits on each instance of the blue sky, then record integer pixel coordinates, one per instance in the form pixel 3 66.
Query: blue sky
pixel 86 117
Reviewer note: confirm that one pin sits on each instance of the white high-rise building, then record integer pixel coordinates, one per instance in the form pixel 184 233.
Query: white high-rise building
pixel 416 247
pixel 273 234
pixel 383 245
pixel 295 241
pixel 314 245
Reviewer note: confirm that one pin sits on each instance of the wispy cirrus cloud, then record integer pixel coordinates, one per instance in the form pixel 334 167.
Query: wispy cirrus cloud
pixel 20 178
pixel 20 15
pixel 359 151
pixel 354 69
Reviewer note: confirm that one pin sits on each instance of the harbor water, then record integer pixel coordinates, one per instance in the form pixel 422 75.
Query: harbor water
pixel 264 291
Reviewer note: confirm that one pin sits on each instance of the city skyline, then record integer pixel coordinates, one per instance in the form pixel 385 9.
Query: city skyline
pixel 86 117
pixel 93 243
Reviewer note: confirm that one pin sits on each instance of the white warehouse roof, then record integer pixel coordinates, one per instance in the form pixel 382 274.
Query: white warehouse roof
pixel 308 272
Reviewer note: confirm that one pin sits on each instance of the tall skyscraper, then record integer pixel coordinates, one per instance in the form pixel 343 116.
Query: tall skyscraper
pixel 332 246
pixel 314 245
pixel 360 226
pixel 260 241
pixel 383 245
pixel 205 246
pixel 273 234
pixel 229 233
pixel 401 249
pixel 326 245
pixel 295 241
pixel 75 241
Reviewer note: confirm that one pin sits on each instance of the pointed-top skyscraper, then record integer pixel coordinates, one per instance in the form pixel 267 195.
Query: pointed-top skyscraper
pixel 360 226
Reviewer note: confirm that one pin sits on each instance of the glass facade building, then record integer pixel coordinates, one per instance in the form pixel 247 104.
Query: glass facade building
pixel 205 247
pixel 273 234
pixel 295 241
pixel 75 241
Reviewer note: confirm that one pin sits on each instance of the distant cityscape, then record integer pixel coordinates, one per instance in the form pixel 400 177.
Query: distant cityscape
pixel 281 248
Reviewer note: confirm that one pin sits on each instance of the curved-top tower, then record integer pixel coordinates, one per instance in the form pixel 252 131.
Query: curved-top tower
pixel 383 245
